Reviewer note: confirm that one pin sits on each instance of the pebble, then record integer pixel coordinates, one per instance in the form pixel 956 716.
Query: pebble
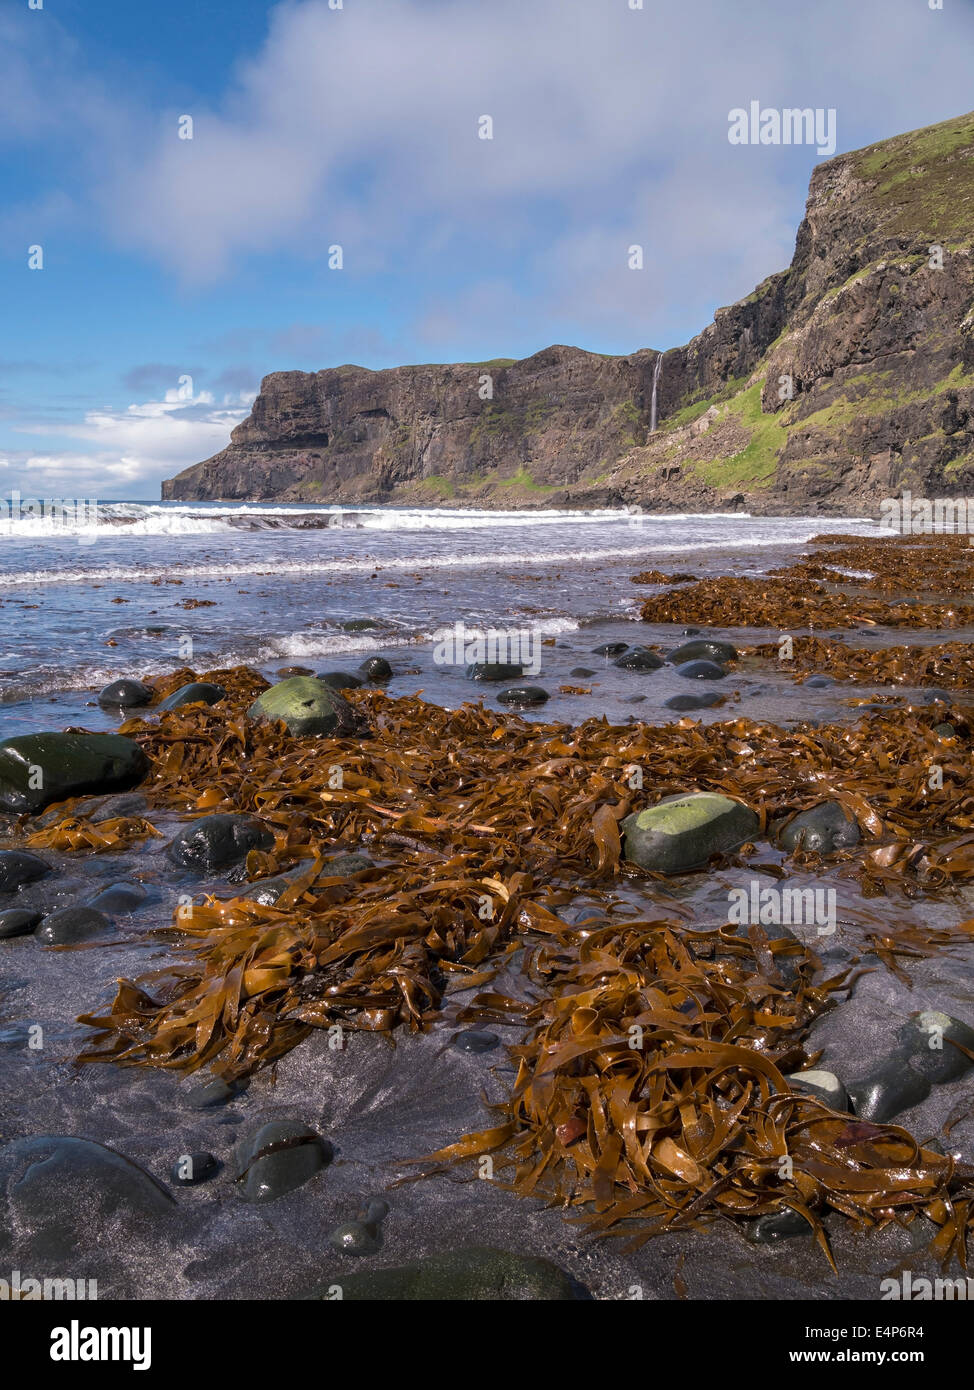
pixel 191 1169
pixel 475 1040
pixel 72 924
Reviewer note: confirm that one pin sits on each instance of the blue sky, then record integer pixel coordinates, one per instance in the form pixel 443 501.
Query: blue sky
pixel 314 125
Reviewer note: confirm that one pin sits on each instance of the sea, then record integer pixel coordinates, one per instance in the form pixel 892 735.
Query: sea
pixel 150 587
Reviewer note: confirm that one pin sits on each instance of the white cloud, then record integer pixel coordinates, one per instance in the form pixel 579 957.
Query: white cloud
pixel 127 451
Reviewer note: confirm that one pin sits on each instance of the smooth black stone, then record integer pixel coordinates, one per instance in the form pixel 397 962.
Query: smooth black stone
pixel 475 1040
pixel 215 841
pixel 494 671
pixel 196 692
pixel 820 830
pixel 523 695
pixel 690 631
pixel 701 670
pixel 376 668
pixel 69 765
pixel 927 1042
pixel 208 1094
pixel 17 921
pixel 582 671
pixel 638 659
pixel 119 898
pixel 472 1274
pixel 818 682
pixel 281 1156
pixel 125 694
pixel 610 649
pixel 703 649
pixel 17 867
pixel 71 924
pixel 348 864
pixel 945 731
pixel 892 1088
pixel 190 1169
pixel 358 624
pixel 339 680
pixel 683 702
pixel 356 1238
pixel 778 1227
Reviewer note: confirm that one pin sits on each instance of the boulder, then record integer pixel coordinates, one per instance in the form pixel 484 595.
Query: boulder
pixel 824 1084
pixel 681 832
pixel 125 694
pixel 36 769
pixel 685 702
pixel 195 693
pixel 610 649
pixel 494 671
pixel 281 1156
pixel 703 649
pixel 69 925
pixel 17 921
pixel 306 706
pixel 339 680
pixel 17 867
pixel 638 659
pixel 701 671
pixel 376 668
pixel 215 841
pixel 820 830
pixel 522 695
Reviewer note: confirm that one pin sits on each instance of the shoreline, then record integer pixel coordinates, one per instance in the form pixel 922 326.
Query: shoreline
pixel 525 810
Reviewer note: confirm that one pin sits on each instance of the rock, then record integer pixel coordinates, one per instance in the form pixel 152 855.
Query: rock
pixel 610 649
pixel 701 671
pixel 17 867
pixel 778 1226
pixel 72 1193
pixel 119 898
pixel 927 1044
pixel 358 624
pixel 703 649
pixel 580 671
pixel 284 671
pixel 208 1094
pixel 891 1088
pixel 348 864
pixel 306 706
pixel 821 1083
pixel 17 921
pixel 355 1238
pixel 817 682
pixel 125 694
pixel 125 804
pixel 71 924
pixel 478 1273
pixel 339 680
pixel 820 830
pixel 215 841
pixel 195 693
pixel 475 1040
pixel 36 769
pixel 945 730
pixel 494 671
pixel 522 695
pixel 376 668
pixel 191 1169
pixel 638 659
pixel 684 702
pixel 682 832
pixel 281 1156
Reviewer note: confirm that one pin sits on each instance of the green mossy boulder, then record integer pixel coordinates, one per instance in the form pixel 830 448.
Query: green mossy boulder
pixel 306 706
pixel 681 832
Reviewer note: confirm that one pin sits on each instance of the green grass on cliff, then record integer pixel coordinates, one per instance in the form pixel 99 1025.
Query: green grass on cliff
pixel 925 179
pixel 755 464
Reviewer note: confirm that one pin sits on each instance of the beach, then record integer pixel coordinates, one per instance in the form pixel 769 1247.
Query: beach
pixel 425 1047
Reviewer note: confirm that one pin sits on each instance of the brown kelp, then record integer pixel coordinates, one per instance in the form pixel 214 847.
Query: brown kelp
pixel 458 808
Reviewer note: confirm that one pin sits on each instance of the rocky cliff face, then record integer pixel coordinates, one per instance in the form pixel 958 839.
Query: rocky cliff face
pixel 844 378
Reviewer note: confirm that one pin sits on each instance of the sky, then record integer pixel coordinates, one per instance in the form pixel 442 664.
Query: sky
pixel 174 273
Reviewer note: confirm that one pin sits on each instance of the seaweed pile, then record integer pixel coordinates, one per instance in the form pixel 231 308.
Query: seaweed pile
pixel 464 808
pixel 832 587
pixel 947 665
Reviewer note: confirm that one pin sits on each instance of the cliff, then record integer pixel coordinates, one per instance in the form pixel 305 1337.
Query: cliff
pixel 845 377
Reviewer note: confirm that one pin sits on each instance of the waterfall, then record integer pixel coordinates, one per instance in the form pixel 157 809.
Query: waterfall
pixel 657 367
